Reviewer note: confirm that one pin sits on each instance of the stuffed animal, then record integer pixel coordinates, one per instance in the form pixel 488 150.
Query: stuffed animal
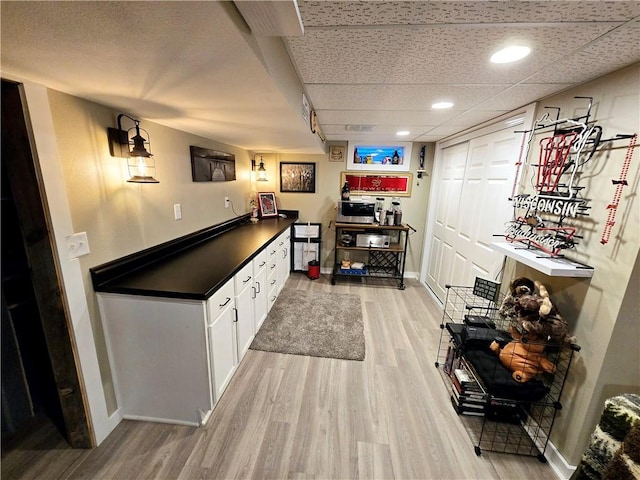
pixel 525 359
pixel 517 289
pixel 528 307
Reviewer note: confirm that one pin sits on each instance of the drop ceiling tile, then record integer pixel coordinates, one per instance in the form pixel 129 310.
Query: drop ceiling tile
pixel 374 117
pixel 432 54
pixel 398 97
pixel 520 95
pixel 441 132
pixel 474 117
pixel 609 53
pixel 323 13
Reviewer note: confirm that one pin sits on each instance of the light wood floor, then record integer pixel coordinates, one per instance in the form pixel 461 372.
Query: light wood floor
pixel 288 416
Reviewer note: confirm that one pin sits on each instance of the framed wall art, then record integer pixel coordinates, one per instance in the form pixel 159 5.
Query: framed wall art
pixel 382 156
pixel 336 153
pixel 395 185
pixel 298 177
pixel 267 204
pixel 212 166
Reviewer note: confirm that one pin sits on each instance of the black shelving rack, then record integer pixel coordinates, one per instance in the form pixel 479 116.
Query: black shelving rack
pixel 513 419
pixel 380 262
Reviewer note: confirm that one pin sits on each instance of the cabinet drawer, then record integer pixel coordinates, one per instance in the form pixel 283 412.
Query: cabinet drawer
pixel 243 278
pixel 260 261
pixel 220 300
pixel 272 248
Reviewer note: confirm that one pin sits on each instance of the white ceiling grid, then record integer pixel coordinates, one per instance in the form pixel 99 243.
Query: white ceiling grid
pixel 197 66
pixel 385 63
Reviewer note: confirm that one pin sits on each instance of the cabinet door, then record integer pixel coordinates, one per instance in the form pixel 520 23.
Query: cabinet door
pixel 222 349
pixel 260 291
pixel 272 284
pixel 245 328
pixel 283 258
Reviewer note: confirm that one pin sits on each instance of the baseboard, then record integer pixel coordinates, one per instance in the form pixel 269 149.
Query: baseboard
pixel 557 462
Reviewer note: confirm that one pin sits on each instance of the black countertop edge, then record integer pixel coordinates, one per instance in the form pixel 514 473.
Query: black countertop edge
pixel 102 275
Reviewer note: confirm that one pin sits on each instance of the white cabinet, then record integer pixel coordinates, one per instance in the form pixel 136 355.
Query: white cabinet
pixel 260 305
pixel 221 332
pixel 272 274
pixel 283 254
pixel 158 352
pixel 173 358
pixel 245 323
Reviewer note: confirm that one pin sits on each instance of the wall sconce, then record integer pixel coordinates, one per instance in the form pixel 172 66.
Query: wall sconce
pixel 140 162
pixel 262 173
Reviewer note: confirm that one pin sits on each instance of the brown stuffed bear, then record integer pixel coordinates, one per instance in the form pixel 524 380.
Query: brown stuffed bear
pixel 528 305
pixel 524 359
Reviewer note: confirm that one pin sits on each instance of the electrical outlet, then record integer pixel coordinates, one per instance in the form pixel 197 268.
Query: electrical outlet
pixel 77 245
pixel 177 211
pixel 226 202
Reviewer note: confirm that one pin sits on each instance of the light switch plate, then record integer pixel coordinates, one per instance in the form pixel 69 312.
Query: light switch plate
pixel 177 211
pixel 77 245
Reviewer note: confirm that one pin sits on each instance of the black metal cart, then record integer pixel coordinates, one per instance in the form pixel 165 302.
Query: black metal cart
pixel 382 260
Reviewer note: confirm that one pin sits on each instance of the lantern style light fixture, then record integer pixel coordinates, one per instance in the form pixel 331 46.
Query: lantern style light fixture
pixel 140 163
pixel 262 172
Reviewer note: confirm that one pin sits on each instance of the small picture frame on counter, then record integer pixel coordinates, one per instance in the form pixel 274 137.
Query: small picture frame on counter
pixel 267 204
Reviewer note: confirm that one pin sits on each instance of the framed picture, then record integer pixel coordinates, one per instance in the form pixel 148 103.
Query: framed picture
pixel 382 156
pixel 336 153
pixel 267 204
pixel 298 177
pixel 212 166
pixel 395 185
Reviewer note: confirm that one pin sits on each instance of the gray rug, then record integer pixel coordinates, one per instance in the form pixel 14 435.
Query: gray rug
pixel 316 324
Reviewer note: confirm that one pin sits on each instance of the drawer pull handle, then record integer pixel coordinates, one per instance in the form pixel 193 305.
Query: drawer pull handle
pixel 263 264
pixel 248 278
pixel 259 287
pixel 273 281
pixel 223 304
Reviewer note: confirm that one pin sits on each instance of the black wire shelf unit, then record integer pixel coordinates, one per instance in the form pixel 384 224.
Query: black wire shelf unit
pixel 500 414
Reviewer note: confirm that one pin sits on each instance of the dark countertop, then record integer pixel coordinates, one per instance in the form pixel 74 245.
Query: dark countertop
pixel 198 271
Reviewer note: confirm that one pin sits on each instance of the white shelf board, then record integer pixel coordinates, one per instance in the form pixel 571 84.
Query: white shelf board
pixel 554 267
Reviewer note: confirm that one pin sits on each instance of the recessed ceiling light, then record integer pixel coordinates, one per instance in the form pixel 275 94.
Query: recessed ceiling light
pixel 403 133
pixel 442 105
pixel 510 54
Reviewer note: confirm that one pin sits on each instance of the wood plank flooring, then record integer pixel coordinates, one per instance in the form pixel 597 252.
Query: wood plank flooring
pixel 295 417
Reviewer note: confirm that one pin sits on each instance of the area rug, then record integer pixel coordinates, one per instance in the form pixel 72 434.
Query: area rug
pixel 316 324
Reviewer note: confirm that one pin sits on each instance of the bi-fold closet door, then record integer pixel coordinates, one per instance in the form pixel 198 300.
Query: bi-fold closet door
pixel 473 180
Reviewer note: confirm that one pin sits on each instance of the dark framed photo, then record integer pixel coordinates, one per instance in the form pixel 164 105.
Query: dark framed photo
pixel 298 177
pixel 267 204
pixel 211 165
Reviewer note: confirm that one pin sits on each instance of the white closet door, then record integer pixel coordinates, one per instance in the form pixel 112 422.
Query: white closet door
pixel 472 205
pixel 442 249
pixel 485 206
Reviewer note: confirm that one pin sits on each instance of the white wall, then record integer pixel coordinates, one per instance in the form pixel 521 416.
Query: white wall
pixel 596 307
pixel 87 192
pixel 320 207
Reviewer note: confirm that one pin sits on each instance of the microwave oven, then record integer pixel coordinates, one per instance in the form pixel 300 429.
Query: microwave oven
pixel 356 212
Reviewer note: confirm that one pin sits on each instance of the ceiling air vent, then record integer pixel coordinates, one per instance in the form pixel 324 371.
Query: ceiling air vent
pixel 359 128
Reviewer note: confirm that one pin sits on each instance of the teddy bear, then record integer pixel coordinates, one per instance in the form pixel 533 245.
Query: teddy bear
pixel 528 307
pixel 524 358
